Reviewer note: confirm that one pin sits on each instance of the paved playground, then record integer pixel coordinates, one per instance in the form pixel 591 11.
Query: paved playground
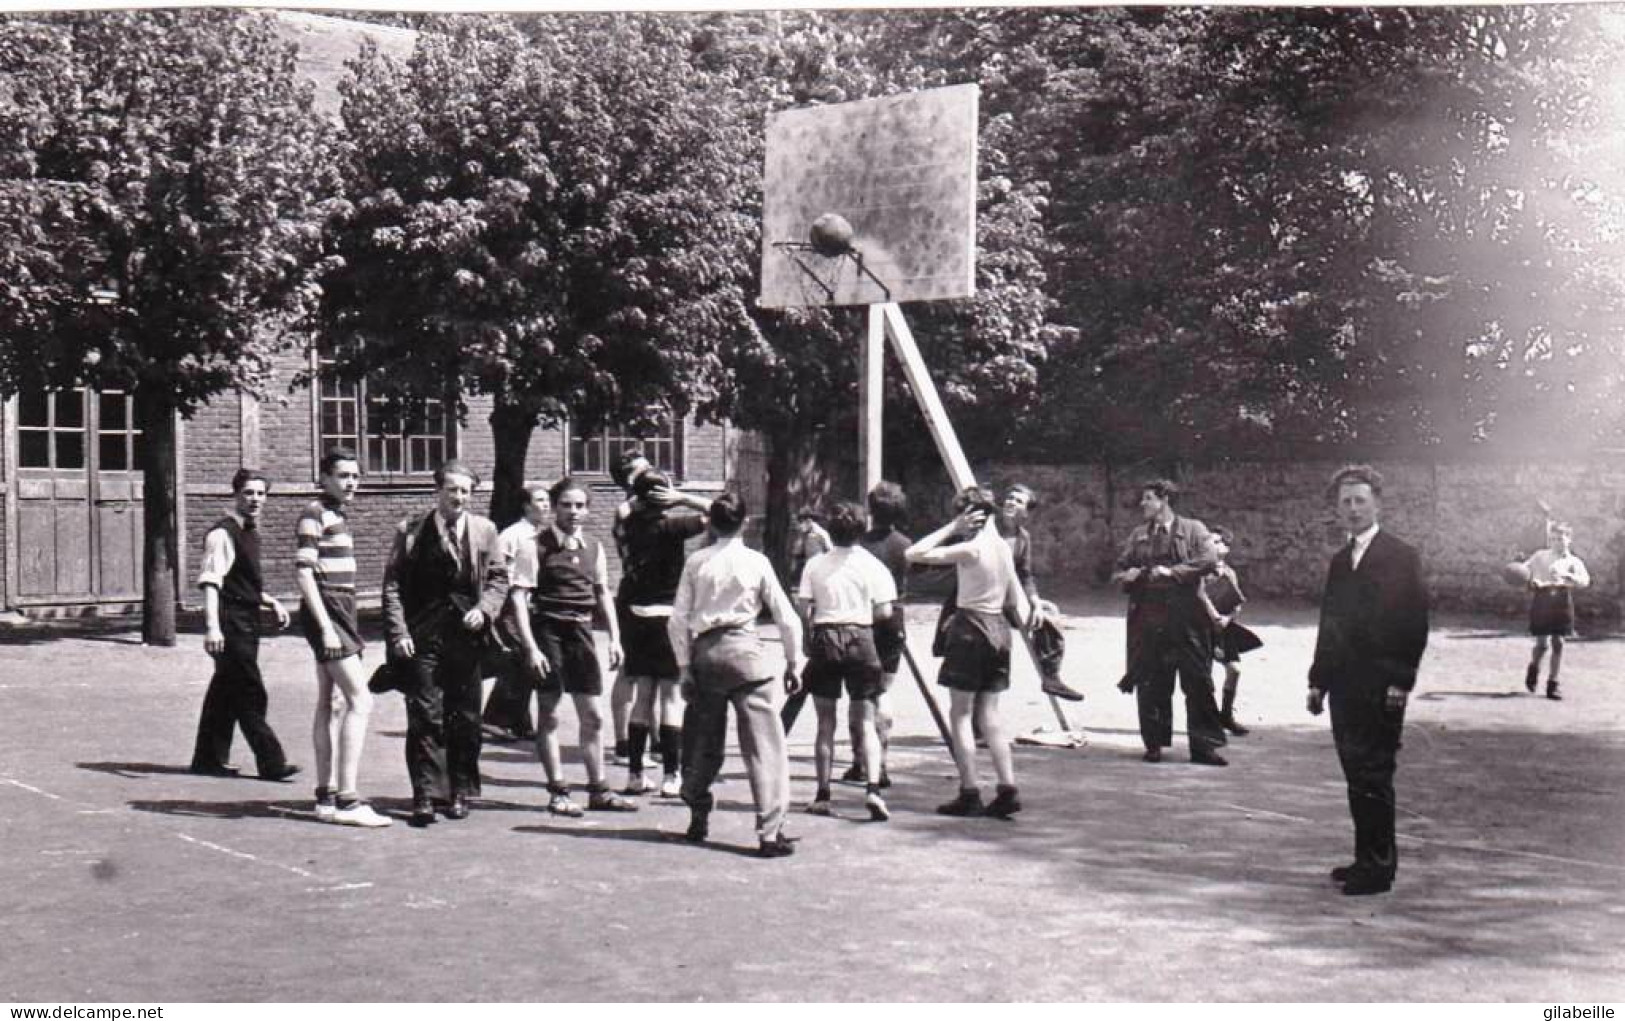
pixel 128 879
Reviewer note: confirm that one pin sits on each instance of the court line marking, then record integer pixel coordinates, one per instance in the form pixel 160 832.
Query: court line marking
pixel 221 848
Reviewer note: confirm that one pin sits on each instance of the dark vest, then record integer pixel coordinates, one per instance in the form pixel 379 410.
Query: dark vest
pixel 564 578
pixel 243 584
pixel 436 582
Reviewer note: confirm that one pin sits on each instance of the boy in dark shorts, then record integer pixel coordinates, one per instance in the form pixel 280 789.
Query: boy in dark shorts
pixel 232 596
pixel 888 509
pixel 652 538
pixel 843 593
pixel 1222 598
pixel 976 646
pixel 562 578
pixel 325 572
pixel 624 471
pixel 1554 573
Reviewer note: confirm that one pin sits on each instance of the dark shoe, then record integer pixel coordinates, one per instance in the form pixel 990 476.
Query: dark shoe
pixel 1152 755
pixel 1531 678
pixel 1230 724
pixel 281 774
pixel 220 771
pixel 699 826
pixel 1060 689
pixel 1363 884
pixel 1208 759
pixel 778 847
pixel 458 809
pixel 855 773
pixel 1553 694
pixel 1341 873
pixel 609 801
pixel 422 813
pixel 1004 804
pixel 967 802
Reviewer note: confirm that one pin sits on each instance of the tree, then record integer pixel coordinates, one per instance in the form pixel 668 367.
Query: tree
pixel 529 220
pixel 158 231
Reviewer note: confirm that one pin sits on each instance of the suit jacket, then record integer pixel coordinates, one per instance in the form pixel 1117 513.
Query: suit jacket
pixel 1374 620
pixel 408 612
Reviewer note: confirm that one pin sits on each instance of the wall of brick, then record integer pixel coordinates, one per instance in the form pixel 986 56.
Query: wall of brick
pixel 1467 518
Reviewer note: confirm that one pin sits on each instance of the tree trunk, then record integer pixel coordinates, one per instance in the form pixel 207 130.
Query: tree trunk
pixel 157 420
pixel 802 471
pixel 511 428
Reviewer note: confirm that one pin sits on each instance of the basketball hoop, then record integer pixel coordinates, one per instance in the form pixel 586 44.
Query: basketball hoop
pixel 820 258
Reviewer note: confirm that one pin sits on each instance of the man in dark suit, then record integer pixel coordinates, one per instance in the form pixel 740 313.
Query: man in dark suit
pixel 445 584
pixel 1373 631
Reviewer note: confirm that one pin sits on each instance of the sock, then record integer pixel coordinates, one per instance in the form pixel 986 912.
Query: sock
pixel 873 788
pixel 348 800
pixel 1006 790
pixel 559 788
pixel 623 748
pixel 324 795
pixel 671 748
pixel 637 741
pixel 822 795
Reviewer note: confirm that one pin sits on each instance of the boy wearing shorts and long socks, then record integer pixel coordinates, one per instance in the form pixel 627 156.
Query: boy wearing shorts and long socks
pixel 325 572
pixel 556 586
pixel 624 471
pixel 976 646
pixel 843 594
pixel 652 539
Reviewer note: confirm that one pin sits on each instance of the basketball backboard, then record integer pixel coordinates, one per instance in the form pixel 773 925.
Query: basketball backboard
pixel 902 171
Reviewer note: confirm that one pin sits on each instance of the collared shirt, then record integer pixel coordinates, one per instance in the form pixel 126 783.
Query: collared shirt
pixel 526 566
pixel 726 584
pixel 218 554
pixel 325 545
pixel 845 585
pixel 1362 542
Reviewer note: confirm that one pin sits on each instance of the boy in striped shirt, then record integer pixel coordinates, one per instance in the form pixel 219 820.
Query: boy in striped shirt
pixel 325 571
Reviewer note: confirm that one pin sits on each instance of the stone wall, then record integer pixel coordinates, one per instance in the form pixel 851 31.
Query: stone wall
pixel 1467 518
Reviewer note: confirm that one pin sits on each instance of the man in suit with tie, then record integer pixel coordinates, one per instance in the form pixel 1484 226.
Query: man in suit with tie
pixel 1373 631
pixel 445 584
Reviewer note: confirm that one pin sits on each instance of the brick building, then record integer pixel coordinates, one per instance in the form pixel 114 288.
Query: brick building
pixel 73 502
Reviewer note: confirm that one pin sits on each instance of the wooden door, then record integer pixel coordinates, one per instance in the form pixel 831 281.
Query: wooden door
pixel 78 498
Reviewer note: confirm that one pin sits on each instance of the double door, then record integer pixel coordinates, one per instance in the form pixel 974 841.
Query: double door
pixel 79 498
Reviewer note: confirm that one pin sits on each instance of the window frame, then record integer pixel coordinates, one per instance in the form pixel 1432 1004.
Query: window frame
pixel 362 438
pixel 678 442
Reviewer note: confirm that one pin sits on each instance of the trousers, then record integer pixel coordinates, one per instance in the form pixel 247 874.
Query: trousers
pixel 237 698
pixel 442 689
pixel 1367 735
pixel 718 662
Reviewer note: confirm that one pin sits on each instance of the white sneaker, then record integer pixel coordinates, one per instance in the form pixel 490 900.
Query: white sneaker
pixel 325 811
pixel 877 807
pixel 671 786
pixel 360 814
pixel 637 783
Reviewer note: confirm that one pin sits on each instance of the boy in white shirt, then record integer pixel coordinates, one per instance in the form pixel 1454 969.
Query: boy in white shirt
pixel 843 593
pixel 1554 573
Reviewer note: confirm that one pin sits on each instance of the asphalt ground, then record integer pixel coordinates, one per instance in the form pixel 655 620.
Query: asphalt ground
pixel 125 878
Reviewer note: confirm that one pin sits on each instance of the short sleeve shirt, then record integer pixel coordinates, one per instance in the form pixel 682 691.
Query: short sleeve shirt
pixel 326 546
pixel 845 584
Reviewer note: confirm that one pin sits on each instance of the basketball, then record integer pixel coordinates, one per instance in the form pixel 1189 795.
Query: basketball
pixel 830 235
pixel 1515 574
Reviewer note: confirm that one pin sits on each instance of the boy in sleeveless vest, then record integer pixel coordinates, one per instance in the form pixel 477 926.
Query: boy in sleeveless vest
pixel 557 585
pixel 446 582
pixel 232 596
pixel 324 564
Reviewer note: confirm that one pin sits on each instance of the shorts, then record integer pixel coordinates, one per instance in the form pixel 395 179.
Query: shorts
pixel 647 646
pixel 890 638
pixel 843 654
pixel 1551 612
pixel 1236 639
pixel 726 658
pixel 340 606
pixel 976 652
pixel 571 657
